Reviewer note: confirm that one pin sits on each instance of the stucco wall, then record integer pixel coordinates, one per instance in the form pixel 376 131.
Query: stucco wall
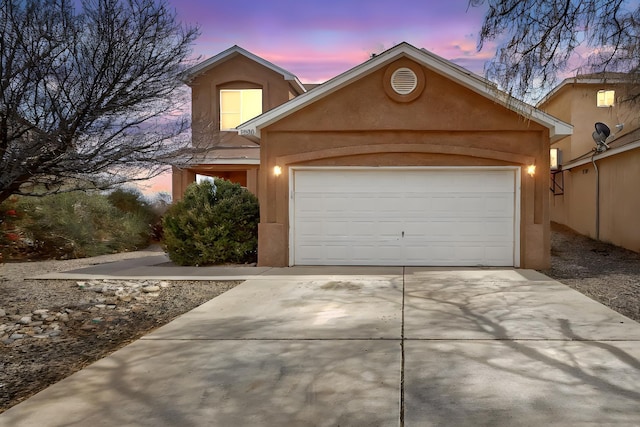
pixel 446 125
pixel 619 174
pixel 246 176
pixel 620 199
pixel 237 72
pixel 579 199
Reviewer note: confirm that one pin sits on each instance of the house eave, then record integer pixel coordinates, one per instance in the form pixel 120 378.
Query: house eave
pixel 191 73
pixel 581 80
pixel 557 128
pixel 610 152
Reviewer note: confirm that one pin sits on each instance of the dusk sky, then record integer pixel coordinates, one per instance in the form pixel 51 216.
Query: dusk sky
pixel 318 40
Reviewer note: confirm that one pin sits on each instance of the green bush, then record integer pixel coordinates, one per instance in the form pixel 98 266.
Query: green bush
pixel 74 225
pixel 215 223
pixel 132 201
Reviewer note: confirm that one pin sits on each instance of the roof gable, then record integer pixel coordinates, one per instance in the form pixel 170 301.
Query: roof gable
pixel 557 128
pixel 191 73
pixel 598 79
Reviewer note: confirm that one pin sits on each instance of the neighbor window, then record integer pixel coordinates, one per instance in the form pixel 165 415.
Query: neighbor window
pixel 239 105
pixel 606 98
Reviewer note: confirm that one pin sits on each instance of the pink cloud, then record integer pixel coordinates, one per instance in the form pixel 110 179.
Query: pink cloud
pixel 319 40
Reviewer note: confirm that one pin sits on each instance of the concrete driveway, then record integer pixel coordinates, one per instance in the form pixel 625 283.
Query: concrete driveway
pixel 366 347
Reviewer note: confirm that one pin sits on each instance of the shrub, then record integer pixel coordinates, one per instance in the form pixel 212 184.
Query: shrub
pixel 75 225
pixel 215 223
pixel 132 201
pixel 10 216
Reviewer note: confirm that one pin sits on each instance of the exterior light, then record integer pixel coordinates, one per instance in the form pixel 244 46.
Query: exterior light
pixel 555 158
pixel 277 170
pixel 531 170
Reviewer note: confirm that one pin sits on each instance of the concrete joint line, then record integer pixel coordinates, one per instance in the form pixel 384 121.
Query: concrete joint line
pixel 402 354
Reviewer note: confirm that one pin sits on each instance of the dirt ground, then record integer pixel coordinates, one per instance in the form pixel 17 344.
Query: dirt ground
pixel 77 325
pixel 603 272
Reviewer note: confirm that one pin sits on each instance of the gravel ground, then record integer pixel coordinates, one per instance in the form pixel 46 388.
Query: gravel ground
pixel 603 272
pixel 77 325
pixel 82 323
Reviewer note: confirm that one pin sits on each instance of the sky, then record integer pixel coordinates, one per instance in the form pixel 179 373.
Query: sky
pixel 318 40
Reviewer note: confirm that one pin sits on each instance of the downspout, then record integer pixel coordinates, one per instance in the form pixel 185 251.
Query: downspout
pixel 593 160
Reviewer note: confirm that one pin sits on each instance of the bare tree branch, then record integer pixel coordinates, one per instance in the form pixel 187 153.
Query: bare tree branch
pixel 540 41
pixel 89 98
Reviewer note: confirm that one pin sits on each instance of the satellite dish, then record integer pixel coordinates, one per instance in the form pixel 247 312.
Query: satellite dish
pixel 600 136
pixel 603 129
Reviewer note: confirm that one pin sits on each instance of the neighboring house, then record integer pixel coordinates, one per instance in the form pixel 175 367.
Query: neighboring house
pixel 406 159
pixel 596 193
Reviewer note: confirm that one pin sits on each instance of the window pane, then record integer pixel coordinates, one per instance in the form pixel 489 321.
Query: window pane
pixel 230 101
pixel 229 120
pixel 251 104
pixel 606 98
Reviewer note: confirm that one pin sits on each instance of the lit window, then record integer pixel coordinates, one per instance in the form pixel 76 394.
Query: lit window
pixel 606 98
pixel 239 105
pixel 555 156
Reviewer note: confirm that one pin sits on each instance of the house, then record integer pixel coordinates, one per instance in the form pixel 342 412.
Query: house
pixel 595 191
pixel 227 89
pixel 406 159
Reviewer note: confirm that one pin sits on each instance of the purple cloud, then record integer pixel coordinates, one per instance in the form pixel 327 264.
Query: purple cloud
pixel 319 40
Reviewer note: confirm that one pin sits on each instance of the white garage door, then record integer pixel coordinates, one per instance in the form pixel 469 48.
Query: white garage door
pixel 387 216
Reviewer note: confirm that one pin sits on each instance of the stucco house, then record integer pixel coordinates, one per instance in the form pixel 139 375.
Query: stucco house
pixel 596 192
pixel 406 159
pixel 226 90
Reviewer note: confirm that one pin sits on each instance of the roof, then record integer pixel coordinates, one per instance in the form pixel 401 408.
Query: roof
pixel 225 156
pixel 557 128
pixel 191 73
pixel 590 79
pixel 627 142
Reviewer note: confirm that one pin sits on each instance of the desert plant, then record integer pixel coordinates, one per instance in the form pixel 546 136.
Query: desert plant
pixel 10 216
pixel 215 223
pixel 130 200
pixel 74 225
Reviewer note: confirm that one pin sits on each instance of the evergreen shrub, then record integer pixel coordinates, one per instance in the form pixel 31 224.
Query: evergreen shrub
pixel 215 223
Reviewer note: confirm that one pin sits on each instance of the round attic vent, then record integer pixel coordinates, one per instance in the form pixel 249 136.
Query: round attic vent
pixel 404 81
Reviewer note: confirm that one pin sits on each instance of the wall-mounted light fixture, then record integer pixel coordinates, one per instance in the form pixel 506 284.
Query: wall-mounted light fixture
pixel 531 170
pixel 555 159
pixel 277 170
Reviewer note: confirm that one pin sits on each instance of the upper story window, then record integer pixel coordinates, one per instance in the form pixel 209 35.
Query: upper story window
pixel 239 105
pixel 606 98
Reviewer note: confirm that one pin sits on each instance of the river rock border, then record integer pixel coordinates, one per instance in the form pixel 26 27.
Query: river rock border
pixel 104 297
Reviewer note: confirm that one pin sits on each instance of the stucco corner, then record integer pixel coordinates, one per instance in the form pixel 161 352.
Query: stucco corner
pixel 272 245
pixel 537 250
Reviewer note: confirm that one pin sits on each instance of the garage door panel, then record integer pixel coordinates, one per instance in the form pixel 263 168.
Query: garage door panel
pixel 363 254
pixel 404 217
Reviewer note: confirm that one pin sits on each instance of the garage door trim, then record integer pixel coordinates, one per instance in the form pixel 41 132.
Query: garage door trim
pixel 517 191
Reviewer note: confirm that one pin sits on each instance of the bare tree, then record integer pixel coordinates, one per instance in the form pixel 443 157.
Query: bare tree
pixel 89 97
pixel 540 40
